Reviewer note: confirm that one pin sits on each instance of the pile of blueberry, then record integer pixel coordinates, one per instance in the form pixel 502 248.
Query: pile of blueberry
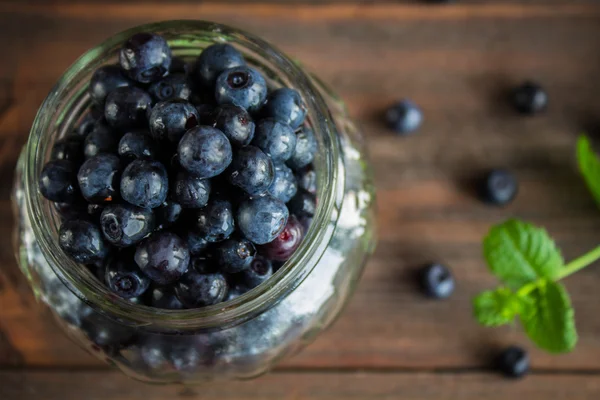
pixel 184 185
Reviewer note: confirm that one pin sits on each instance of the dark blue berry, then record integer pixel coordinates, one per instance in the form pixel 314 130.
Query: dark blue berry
pixel 215 59
pixel 285 105
pixel 437 281
pixel 124 225
pixel 275 138
pixel 75 210
pixel 196 242
pixel 529 98
pixel 235 123
pixel 69 148
pixel 169 120
pixel 99 177
pixel 165 298
pixel 126 108
pixel 86 125
pixel 284 186
pixel 175 86
pixel 243 86
pixel 303 204
pixel 262 219
pixel 102 139
pixel 123 277
pixel 251 170
pixel 260 270
pixel 145 183
pixel 499 187
pixel 234 255
pixel 145 57
pixel 167 214
pixel 204 151
pixel 82 241
pixel 105 80
pixel 305 150
pixel 199 290
pixel 307 179
pixel 286 243
pixel 137 144
pixel 58 181
pixel 190 191
pixel 404 117
pixel 215 221
pixel 164 257
pixel 513 362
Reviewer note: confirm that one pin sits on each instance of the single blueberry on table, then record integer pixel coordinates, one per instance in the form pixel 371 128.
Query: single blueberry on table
pixel 171 87
pixel 105 80
pixel 242 86
pixel 284 185
pixel 307 179
pixel 262 219
pixel 529 98
pixel 99 177
pixel 234 255
pixel 286 243
pixel 499 187
pixel 167 214
pixel 303 204
pixel 235 123
pixel 404 117
pixel 276 139
pixel 124 225
pixel 285 105
pixel 251 170
pixel 137 144
pixel 196 242
pixel 145 57
pixel 513 362
pixel 214 60
pixel 163 257
pixel 82 241
pixel 199 290
pixel 69 148
pixel 305 150
pixel 190 191
pixel 58 181
pixel 103 139
pixel 165 298
pixel 215 221
pixel 204 151
pixel 123 277
pixel 145 183
pixel 169 120
pixel 260 270
pixel 126 108
pixel 437 281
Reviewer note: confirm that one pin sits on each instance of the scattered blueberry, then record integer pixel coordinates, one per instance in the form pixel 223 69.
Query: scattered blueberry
pixel 214 60
pixel 99 177
pixel 499 187
pixel 284 185
pixel 275 138
pixel 145 57
pixel 123 277
pixel 137 144
pixel 303 204
pixel 513 362
pixel 169 120
pixel 124 225
pixel 251 170
pixel 286 105
pixel 260 270
pixel 126 108
pixel 404 117
pixel 305 150
pixel 437 281
pixel 235 123
pixel 101 140
pixel 190 191
pixel 58 181
pixel 529 98
pixel 161 297
pixel 164 257
pixel 234 255
pixel 105 80
pixel 145 183
pixel 215 221
pixel 199 290
pixel 69 148
pixel 286 243
pixel 82 241
pixel 167 214
pixel 243 86
pixel 204 151
pixel 171 87
pixel 262 219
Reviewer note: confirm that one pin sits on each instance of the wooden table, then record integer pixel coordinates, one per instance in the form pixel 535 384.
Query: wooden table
pixel 456 62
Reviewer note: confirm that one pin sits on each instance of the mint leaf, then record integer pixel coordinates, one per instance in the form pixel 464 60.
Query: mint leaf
pixel 496 307
pixel 589 166
pixel 519 253
pixel 549 319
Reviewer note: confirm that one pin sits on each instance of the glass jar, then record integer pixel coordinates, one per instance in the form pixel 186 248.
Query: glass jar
pixel 245 336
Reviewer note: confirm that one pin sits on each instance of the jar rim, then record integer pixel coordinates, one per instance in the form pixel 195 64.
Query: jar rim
pixel 231 312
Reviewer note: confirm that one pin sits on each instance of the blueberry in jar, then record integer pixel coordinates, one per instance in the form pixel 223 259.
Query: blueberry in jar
pixel 262 219
pixel 137 144
pixel 189 190
pixel 251 170
pixel 69 148
pixel 99 177
pixel 284 185
pixel 285 105
pixel 286 243
pixel 303 204
pixel 168 213
pixel 145 57
pixel 204 152
pixel 58 181
pixel 163 257
pixel 235 123
pixel 102 139
pixel 242 86
pixel 82 241
pixel 145 183
pixel 169 120
pixel 86 125
pixel 195 242
pixel 126 108
pixel 276 139
pixel 305 150
pixel 234 255
pixel 215 221
pixel 171 87
pixel 260 270
pixel 123 277
pixel 165 298
pixel 214 60
pixel 124 225
pixel 307 180
pixel 199 290
pixel 105 80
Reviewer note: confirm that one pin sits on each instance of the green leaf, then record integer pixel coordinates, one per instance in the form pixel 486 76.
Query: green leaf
pixel 589 165
pixel 496 307
pixel 519 253
pixel 549 319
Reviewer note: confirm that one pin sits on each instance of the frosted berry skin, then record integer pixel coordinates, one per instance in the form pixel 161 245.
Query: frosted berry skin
pixel 235 123
pixel 58 181
pixel 163 257
pixel 214 60
pixel 276 139
pixel 204 152
pixel 99 177
pixel 145 183
pixel 105 80
pixel 262 219
pixel 189 190
pixel 170 120
pixel 285 105
pixel 123 277
pixel 126 108
pixel 251 170
pixel 124 225
pixel 82 241
pixel 242 86
pixel 145 57
pixel 199 290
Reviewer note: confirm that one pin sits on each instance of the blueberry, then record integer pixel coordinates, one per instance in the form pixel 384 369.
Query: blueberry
pixel 94 211
pixel 179 66
pixel 69 148
pixel 305 150
pixel 303 204
pixel 70 210
pixel 529 98
pixel 127 107
pixel 235 123
pixel 437 281
pixel 137 144
pixel 124 225
pixel 175 86
pixel 167 214
pixel 286 243
pixel 307 179
pixel 204 151
pixel 86 125
pixel 145 183
pixel 169 120
pixel 99 177
pixel 286 105
pixel 215 59
pixel 101 140
pixel 199 290
pixel 162 297
pixel 284 186
pixel 82 241
pixel 105 80
pixel 234 255
pixel 196 242
pixel 243 86
pixel 251 170
pixel 189 190
pixel 202 265
pixel 164 257
pixel 145 57
pixel 260 270
pixel 58 181
pixel 215 221
pixel 123 277
pixel 275 138
pixel 404 117
pixel 499 187
pixel 262 219
pixel 513 362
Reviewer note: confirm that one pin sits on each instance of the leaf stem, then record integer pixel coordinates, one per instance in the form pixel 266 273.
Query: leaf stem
pixel 579 263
